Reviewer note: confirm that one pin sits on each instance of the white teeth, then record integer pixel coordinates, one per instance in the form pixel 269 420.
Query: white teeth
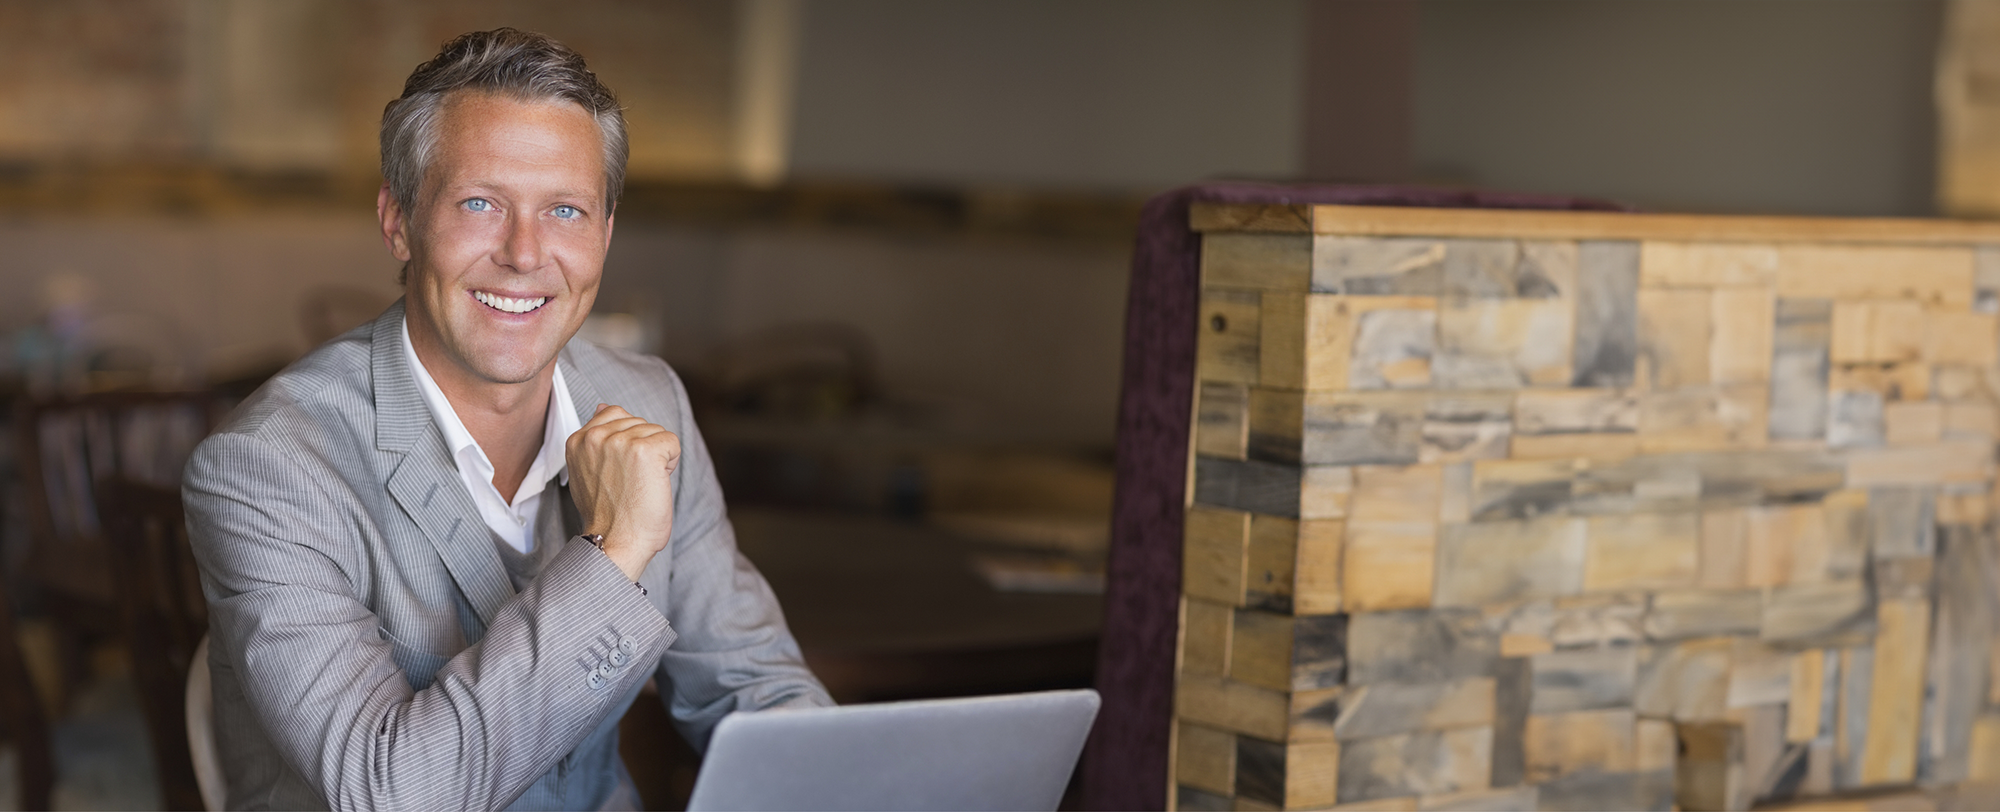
pixel 508 304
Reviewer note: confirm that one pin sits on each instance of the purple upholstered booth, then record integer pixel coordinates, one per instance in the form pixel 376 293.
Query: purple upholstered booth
pixel 1125 763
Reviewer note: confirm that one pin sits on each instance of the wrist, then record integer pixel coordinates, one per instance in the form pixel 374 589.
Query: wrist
pixel 626 559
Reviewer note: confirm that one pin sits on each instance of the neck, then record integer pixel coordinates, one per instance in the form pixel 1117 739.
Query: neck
pixel 508 420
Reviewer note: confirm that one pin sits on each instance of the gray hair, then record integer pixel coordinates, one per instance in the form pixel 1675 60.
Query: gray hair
pixel 518 64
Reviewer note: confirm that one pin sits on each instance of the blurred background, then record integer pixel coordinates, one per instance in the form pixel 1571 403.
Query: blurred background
pixel 885 241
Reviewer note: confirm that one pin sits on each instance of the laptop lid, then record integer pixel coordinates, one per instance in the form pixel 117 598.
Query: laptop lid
pixel 990 752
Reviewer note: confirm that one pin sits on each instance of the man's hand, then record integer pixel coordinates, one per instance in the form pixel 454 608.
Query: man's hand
pixel 618 468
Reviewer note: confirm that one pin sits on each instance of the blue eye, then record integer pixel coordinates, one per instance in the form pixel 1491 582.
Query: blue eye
pixel 568 212
pixel 479 204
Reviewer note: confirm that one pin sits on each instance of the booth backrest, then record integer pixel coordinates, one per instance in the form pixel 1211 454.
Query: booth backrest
pixel 1584 510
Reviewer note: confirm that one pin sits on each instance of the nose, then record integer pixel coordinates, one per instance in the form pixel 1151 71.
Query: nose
pixel 522 247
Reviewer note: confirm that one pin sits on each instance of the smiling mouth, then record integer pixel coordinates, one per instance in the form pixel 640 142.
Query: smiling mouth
pixel 507 304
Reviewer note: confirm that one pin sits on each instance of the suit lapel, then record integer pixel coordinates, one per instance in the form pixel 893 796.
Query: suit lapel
pixel 582 390
pixel 425 482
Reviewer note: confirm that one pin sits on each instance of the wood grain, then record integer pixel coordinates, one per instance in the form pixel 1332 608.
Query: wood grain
pixel 1271 568
pixel 1392 220
pixel 1677 264
pixel 1686 681
pixel 1674 335
pixel 1560 744
pixel 1205 757
pixel 1895 701
pixel 1388 565
pixel 1221 420
pixel 1261 650
pixel 1215 560
pixel 1802 715
pixel 1205 636
pixel 1272 217
pixel 1743 320
pixel 1390 708
pixel 1396 494
pixel 1226 347
pixel 1284 339
pixel 1316 587
pixel 1232 706
pixel 1878 331
pixel 1961 337
pixel 1260 261
pixel 1642 551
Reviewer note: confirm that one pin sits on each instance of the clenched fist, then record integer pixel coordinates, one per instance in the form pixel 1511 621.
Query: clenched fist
pixel 618 470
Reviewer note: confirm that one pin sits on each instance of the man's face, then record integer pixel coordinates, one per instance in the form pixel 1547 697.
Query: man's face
pixel 507 244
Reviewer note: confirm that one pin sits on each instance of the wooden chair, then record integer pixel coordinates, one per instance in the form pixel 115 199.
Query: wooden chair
pixel 207 755
pixel 22 718
pixel 164 618
pixel 66 446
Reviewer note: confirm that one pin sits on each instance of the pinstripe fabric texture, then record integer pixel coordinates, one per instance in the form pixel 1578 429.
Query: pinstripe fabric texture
pixel 367 648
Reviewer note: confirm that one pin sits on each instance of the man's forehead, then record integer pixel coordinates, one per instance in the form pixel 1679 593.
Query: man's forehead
pixel 544 133
pixel 555 113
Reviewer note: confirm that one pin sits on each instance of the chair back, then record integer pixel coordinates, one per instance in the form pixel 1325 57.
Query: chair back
pixel 67 445
pixel 164 616
pixel 201 730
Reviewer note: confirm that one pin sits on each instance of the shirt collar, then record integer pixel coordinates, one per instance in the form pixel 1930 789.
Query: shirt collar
pixel 561 423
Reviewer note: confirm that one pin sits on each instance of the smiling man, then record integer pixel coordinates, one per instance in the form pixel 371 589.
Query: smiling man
pixel 444 552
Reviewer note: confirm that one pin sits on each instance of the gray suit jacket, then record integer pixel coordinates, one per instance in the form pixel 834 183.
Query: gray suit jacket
pixel 368 649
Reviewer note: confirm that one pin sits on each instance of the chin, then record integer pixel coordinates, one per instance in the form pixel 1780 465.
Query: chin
pixel 522 372
pixel 516 367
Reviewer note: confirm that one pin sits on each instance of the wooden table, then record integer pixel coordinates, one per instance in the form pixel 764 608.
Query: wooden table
pixel 887 610
pixel 884 610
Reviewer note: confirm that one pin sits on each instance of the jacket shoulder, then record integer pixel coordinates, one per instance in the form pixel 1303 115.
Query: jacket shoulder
pixel 332 381
pixel 626 378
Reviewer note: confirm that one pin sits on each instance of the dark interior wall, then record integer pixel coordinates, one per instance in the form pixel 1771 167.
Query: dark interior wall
pixel 1815 107
pixel 1702 105
pixel 1001 339
pixel 1120 94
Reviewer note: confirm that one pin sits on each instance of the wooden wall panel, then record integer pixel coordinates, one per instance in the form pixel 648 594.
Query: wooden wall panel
pixel 1690 514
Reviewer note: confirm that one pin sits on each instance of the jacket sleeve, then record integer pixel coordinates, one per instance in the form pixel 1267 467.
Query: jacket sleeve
pixel 734 652
pixel 278 553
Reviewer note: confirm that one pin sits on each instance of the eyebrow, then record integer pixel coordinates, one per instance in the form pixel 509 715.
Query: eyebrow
pixel 489 186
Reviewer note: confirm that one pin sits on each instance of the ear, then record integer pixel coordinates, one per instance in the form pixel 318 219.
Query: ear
pixel 395 224
pixel 608 223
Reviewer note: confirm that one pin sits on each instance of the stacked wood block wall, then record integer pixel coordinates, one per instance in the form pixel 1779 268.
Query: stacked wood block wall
pixel 1696 515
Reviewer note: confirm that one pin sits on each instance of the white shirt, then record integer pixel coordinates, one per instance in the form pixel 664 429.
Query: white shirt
pixel 513 522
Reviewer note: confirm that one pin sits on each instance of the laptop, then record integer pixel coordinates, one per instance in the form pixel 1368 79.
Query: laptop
pixel 989 752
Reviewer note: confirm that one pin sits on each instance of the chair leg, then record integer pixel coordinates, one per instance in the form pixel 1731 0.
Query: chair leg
pixel 25 723
pixel 72 664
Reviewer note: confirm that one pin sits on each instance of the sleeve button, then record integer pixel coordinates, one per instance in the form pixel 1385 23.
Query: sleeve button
pixel 595 682
pixel 628 645
pixel 618 658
